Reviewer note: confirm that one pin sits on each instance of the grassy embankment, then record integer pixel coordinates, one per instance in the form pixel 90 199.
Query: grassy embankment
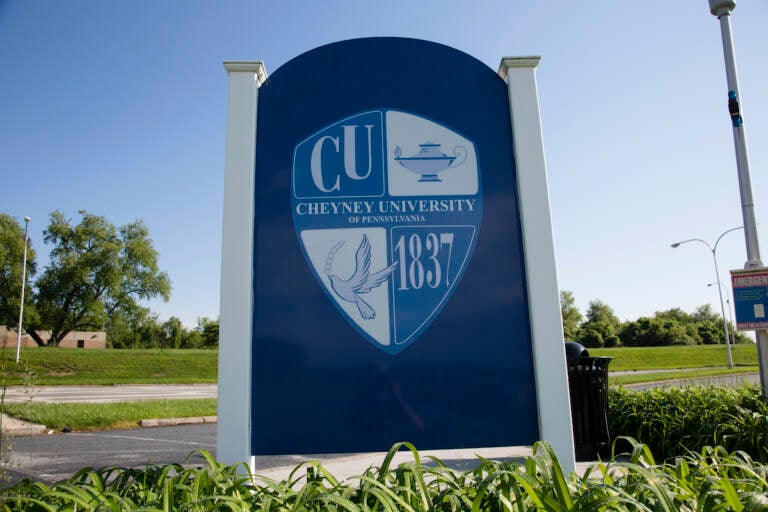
pixel 688 361
pixel 61 366
pixel 69 366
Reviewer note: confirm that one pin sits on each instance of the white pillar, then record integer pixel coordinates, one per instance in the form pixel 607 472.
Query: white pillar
pixel 233 439
pixel 540 268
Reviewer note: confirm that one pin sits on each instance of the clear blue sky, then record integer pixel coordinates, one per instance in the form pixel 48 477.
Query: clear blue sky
pixel 119 108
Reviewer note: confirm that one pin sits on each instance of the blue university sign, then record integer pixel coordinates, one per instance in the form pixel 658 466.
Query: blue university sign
pixel 388 263
pixel 387 206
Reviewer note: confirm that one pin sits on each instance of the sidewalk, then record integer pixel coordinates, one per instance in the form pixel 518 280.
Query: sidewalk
pixel 355 465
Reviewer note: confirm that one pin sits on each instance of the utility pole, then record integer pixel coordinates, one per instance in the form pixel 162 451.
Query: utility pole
pixel 722 10
pixel 23 287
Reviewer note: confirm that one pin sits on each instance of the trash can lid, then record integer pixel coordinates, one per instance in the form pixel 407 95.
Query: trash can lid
pixel 573 349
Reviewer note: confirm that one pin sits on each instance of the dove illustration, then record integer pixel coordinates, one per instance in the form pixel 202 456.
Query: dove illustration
pixel 361 281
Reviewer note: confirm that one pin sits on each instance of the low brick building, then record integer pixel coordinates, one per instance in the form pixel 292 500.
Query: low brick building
pixel 75 339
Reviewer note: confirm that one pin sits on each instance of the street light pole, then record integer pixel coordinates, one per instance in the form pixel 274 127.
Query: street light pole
pixel 713 250
pixel 722 10
pixel 722 309
pixel 23 286
pixel 730 316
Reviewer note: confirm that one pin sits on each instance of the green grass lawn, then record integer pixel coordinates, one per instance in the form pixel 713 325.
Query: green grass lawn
pixel 110 415
pixel 661 358
pixel 46 366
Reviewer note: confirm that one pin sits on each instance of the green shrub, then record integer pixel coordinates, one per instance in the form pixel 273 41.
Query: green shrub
pixel 674 421
pixel 711 481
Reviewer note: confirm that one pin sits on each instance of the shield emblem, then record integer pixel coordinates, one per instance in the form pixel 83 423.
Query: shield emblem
pixel 387 207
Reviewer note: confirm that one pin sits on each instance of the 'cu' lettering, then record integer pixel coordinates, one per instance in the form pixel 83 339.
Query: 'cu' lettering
pixel 350 158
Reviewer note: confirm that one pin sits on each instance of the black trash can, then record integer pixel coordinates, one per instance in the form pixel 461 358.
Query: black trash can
pixel 588 385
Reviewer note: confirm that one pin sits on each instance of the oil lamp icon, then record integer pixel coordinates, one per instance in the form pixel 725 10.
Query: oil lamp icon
pixel 430 161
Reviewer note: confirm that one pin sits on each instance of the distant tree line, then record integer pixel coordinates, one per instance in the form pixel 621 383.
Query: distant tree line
pixel 600 327
pixel 144 330
pixel 96 279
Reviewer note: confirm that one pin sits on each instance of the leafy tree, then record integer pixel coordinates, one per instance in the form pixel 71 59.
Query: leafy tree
pixel 596 333
pixel 205 335
pixel 209 332
pixel 120 333
pixel 571 316
pixel 704 325
pixel 149 331
pixel 709 332
pixel 591 337
pixel 599 311
pixel 193 338
pixel 739 337
pixel 600 325
pixel 704 313
pixel 142 329
pixel 671 332
pixel 677 315
pixel 11 258
pixel 96 271
pixel 135 328
pixel 655 332
pixel 612 341
pixel 173 333
pixel 688 323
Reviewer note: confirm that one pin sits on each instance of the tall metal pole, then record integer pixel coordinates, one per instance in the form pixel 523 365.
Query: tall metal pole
pixel 713 250
pixel 23 286
pixel 722 310
pixel 722 10
pixel 730 315
pixel 730 318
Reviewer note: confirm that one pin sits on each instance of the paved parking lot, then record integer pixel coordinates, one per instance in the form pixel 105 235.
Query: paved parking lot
pixel 50 458
pixel 53 457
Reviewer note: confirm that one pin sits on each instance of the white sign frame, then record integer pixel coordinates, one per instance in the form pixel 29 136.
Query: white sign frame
pixel 236 306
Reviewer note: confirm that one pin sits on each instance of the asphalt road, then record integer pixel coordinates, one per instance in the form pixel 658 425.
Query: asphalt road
pixel 57 456
pixel 713 380
pixel 49 458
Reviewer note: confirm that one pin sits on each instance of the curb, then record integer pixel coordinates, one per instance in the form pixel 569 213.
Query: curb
pixel 30 430
pixel 172 422
pixel 13 427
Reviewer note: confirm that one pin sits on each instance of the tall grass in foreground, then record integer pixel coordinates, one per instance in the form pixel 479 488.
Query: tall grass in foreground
pixel 673 421
pixel 711 481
